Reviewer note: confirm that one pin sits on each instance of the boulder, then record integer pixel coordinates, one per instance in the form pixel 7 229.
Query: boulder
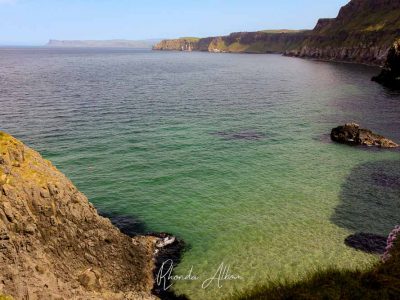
pixel 352 134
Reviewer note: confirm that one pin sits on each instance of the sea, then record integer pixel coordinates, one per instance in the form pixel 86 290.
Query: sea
pixel 229 152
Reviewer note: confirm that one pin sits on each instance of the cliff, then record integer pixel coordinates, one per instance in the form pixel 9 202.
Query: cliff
pixel 242 42
pixel 390 75
pixel 181 44
pixel 54 245
pixel 363 32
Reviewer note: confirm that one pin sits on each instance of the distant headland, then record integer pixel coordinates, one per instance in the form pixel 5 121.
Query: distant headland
pixel 119 43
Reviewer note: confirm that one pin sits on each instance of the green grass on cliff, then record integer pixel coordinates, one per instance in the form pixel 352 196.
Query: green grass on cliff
pixel 281 31
pixel 190 39
pixel 382 282
pixel 367 21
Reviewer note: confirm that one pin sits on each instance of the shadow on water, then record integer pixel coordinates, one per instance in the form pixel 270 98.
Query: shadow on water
pixel 370 198
pixel 127 224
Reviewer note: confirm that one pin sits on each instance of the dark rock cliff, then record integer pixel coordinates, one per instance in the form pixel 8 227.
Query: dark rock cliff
pixel 390 75
pixel 363 32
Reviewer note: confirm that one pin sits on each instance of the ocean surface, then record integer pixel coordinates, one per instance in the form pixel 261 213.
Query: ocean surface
pixel 229 152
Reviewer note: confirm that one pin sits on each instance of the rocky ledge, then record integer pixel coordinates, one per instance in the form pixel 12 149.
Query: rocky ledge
pixel 352 134
pixel 54 245
pixel 390 75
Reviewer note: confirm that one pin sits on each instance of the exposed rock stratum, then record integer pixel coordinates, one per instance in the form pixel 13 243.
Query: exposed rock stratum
pixel 54 245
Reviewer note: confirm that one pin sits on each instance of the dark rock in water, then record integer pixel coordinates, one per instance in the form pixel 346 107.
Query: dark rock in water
pixel 390 75
pixel 352 134
pixel 241 135
pixel 367 242
pixel 126 224
pixel 169 253
pixel 386 180
pixel 169 248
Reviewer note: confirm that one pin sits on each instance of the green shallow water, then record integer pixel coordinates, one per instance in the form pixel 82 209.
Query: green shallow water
pixel 229 152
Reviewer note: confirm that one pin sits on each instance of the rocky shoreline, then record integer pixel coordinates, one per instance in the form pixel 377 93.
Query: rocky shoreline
pixel 168 247
pixel 54 244
pixel 356 35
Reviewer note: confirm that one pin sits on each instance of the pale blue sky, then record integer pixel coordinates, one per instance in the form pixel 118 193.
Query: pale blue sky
pixel 36 21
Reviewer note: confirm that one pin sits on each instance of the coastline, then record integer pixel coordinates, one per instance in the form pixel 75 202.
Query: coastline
pixel 349 37
pixel 63 244
pixel 380 66
pixel 174 251
pixel 261 138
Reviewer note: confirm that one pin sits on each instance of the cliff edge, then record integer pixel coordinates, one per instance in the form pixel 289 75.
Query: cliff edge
pixel 54 245
pixel 363 32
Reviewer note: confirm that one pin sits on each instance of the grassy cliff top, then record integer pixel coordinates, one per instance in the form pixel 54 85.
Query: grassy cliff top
pixel 190 39
pixel 363 16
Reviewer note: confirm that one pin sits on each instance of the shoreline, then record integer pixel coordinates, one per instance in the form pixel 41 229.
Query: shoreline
pixel 379 66
pixel 174 251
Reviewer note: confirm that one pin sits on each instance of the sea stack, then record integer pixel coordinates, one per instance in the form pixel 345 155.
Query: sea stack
pixel 54 245
pixel 352 134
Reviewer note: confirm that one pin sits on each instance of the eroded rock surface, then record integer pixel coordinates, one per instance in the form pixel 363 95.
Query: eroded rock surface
pixel 54 245
pixel 390 75
pixel 352 134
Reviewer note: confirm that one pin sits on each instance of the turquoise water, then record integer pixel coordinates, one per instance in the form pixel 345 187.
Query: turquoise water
pixel 229 152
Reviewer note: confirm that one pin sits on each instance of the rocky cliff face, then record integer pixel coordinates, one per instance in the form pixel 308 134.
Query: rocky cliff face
pixel 54 245
pixel 363 32
pixel 182 44
pixel 240 42
pixel 390 75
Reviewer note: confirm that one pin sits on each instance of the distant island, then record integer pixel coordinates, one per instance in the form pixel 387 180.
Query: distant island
pixel 137 44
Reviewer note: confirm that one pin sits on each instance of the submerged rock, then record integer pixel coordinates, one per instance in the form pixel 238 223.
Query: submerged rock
pixel 240 135
pixel 352 134
pixel 390 75
pixel 367 242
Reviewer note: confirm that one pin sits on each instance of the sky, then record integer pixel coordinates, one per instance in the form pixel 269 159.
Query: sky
pixel 34 22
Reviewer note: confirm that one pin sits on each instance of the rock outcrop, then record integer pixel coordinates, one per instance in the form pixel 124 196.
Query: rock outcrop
pixel 54 245
pixel 363 32
pixel 352 134
pixel 390 75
